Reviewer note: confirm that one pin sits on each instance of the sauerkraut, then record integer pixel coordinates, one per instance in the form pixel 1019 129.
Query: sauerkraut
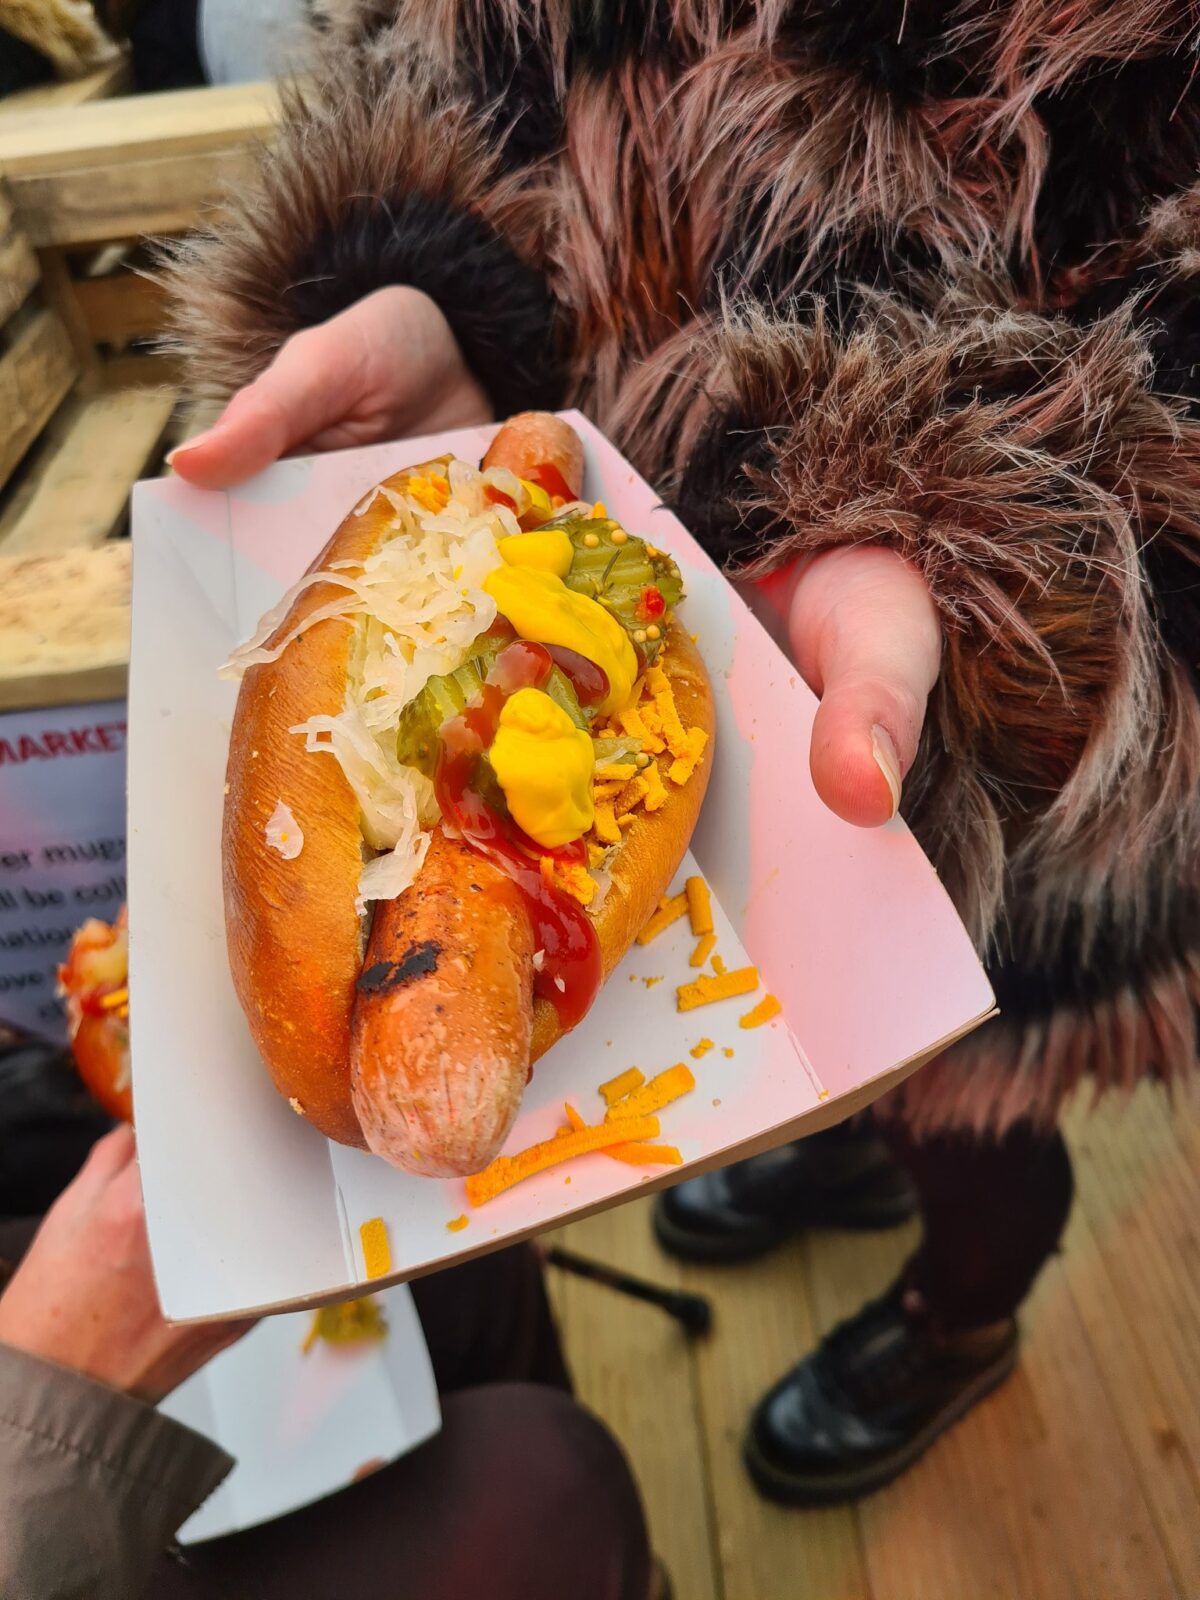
pixel 418 605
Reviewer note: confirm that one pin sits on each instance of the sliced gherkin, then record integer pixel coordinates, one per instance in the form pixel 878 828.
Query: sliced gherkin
pixel 619 574
pixel 445 696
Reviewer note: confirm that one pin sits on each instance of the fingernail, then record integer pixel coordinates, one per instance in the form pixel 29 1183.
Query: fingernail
pixel 188 444
pixel 887 761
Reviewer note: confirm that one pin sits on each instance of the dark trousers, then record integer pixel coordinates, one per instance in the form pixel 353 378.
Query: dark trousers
pixel 993 1210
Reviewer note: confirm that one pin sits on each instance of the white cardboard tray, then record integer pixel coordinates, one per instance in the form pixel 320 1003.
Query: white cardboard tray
pixel 248 1208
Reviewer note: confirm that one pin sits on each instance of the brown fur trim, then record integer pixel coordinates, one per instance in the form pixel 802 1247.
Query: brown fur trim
pixel 1022 466
pixel 1035 47
pixel 360 133
pixel 1172 234
pixel 1005 1073
pixel 797 148
pixel 622 260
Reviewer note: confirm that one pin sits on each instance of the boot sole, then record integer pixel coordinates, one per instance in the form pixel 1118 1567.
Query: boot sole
pixel 830 1489
pixel 715 1250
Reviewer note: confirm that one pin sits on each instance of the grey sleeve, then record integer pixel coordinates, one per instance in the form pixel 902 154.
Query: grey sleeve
pixel 93 1484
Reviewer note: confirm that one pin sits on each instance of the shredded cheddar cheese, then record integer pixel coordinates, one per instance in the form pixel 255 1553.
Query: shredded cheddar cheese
pixel 766 1008
pixel 458 1224
pixel 705 991
pixel 377 1252
pixel 574 1120
pixel 718 966
pixel 630 795
pixel 616 771
pixel 700 1048
pixel 350 1322
pixel 570 876
pixel 653 1096
pixel 669 911
pixel 430 492
pixel 505 1171
pixel 656 795
pixel 605 825
pixel 646 1155
pixel 668 713
pixel 687 761
pixel 699 906
pixel 624 1083
pixel 703 950
pixel 633 727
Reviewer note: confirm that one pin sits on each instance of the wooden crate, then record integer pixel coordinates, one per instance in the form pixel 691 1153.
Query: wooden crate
pixel 86 406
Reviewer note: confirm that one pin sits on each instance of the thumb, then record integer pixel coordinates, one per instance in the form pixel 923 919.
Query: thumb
pixel 866 636
pixel 312 383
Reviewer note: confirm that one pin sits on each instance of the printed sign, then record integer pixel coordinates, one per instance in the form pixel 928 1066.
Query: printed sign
pixel 62 848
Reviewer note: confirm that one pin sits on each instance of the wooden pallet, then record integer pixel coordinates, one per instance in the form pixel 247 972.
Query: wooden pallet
pixel 88 408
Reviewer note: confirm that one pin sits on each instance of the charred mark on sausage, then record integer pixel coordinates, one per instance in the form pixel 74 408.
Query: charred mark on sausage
pixel 416 962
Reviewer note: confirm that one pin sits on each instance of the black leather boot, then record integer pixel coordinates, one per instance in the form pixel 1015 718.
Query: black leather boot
pixel 842 1178
pixel 870 1399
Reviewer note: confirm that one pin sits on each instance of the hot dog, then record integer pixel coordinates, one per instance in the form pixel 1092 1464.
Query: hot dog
pixel 93 982
pixel 427 869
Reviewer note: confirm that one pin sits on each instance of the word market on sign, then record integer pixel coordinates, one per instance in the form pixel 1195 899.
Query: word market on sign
pixel 62 848
pixel 105 738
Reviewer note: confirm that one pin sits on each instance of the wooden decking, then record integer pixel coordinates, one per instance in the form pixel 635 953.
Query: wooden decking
pixel 1078 1480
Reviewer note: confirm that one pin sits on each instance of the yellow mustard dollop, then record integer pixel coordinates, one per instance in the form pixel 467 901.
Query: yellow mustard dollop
pixel 545 765
pixel 546 550
pixel 541 607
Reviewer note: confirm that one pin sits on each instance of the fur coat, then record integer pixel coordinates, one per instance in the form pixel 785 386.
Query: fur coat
pixel 841 271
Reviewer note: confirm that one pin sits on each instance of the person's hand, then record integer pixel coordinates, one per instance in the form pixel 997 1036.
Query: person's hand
pixel 865 634
pixel 84 1294
pixel 387 367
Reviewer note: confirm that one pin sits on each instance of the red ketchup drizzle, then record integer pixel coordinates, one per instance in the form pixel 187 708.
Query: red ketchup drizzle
pixel 651 605
pixel 551 480
pixel 90 1002
pixel 560 926
pixel 589 681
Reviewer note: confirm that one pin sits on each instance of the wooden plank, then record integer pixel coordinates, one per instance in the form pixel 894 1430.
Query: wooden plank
pixel 143 371
pixel 75 492
pixel 1034 1494
pixel 762 1325
pixel 64 627
pixel 1133 1267
pixel 18 271
pixel 632 1365
pixel 1123 1340
pixel 110 78
pixel 178 122
pixel 34 376
pixel 58 292
pixel 120 308
pixel 88 205
pixel 146 164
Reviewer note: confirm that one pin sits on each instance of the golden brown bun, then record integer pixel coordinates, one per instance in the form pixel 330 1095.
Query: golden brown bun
pixel 295 940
